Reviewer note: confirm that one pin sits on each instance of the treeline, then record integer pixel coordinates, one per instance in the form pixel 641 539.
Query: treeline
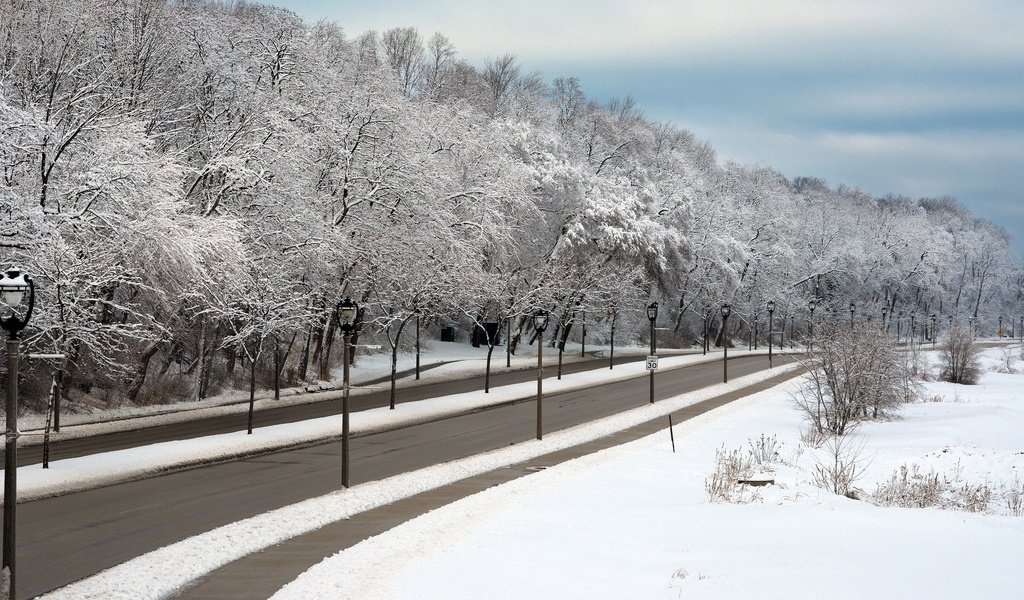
pixel 195 185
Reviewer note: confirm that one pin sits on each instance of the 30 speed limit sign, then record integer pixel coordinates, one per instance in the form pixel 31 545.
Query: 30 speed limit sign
pixel 652 363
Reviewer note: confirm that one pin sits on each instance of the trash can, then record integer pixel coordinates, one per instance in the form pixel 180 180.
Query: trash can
pixel 447 334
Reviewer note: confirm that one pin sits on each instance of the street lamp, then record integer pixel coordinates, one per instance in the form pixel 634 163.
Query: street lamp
pixel 771 312
pixel 612 313
pixel 346 315
pixel 885 311
pixel 540 321
pixel 726 311
pixel 810 322
pixel 13 286
pixel 853 309
pixel 933 329
pixel 652 315
pixel 913 326
pixel 707 315
pixel 970 325
pixel 999 332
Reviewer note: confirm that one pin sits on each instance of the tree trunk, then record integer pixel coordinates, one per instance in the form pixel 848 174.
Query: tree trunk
pixel 141 370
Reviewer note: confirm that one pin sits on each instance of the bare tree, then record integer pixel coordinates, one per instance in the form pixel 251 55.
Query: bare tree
pixel 960 354
pixel 853 374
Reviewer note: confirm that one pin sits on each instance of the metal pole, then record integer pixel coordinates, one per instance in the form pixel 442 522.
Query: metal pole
pixel 611 353
pixel 770 315
pixel 345 336
pixel 704 343
pixel 725 349
pixel 11 461
pixel 654 351
pixel 583 337
pixel 417 347
pixel 508 342
pixel 540 383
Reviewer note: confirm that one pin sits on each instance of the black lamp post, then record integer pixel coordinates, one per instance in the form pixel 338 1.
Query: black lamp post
pixel 913 326
pixel 885 312
pixel 346 314
pixel 540 321
pixel 771 313
pixel 853 309
pixel 652 315
pixel 707 315
pixel 934 331
pixel 999 332
pixel 13 286
pixel 726 311
pixel 612 313
pixel 810 323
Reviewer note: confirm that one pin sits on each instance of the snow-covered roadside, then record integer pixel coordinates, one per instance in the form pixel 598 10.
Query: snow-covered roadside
pixel 635 521
pixel 97 470
pixel 159 573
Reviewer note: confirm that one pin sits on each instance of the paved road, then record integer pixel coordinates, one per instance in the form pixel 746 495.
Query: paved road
pixel 500 376
pixel 66 538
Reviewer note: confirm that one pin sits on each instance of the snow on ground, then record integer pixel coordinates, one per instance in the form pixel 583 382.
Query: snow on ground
pixel 106 468
pixel 161 572
pixel 635 521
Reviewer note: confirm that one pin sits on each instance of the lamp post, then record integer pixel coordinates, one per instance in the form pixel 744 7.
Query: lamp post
pixel 853 309
pixel 707 315
pixel 810 323
pixel 726 311
pixel 970 325
pixel 933 317
pixel 611 353
pixel 346 314
pixel 540 321
pixel 913 326
pixel 999 332
pixel 1021 330
pixel 885 312
pixel 652 315
pixel 13 286
pixel 771 313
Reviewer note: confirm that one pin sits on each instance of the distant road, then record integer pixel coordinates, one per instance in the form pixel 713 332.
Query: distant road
pixel 29 455
pixel 65 538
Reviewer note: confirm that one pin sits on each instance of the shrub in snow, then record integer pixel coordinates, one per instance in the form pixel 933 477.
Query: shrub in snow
pixel 1006 362
pixel 764 452
pixel 909 487
pixel 724 484
pixel 853 374
pixel 841 466
pixel 735 466
pixel 1013 497
pixel 960 357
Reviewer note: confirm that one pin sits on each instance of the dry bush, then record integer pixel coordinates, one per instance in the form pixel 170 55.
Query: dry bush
pixel 1006 362
pixel 843 465
pixel 732 466
pixel 909 487
pixel 960 357
pixel 853 374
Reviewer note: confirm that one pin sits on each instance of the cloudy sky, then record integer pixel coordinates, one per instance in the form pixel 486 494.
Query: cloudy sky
pixel 922 98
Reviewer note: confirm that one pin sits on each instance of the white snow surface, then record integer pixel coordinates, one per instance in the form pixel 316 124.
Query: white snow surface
pixel 163 571
pixel 635 521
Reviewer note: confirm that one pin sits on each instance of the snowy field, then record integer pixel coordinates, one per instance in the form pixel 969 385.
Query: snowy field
pixel 636 522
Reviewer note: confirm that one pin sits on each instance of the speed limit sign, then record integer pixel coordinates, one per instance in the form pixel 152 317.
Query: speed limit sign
pixel 652 363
